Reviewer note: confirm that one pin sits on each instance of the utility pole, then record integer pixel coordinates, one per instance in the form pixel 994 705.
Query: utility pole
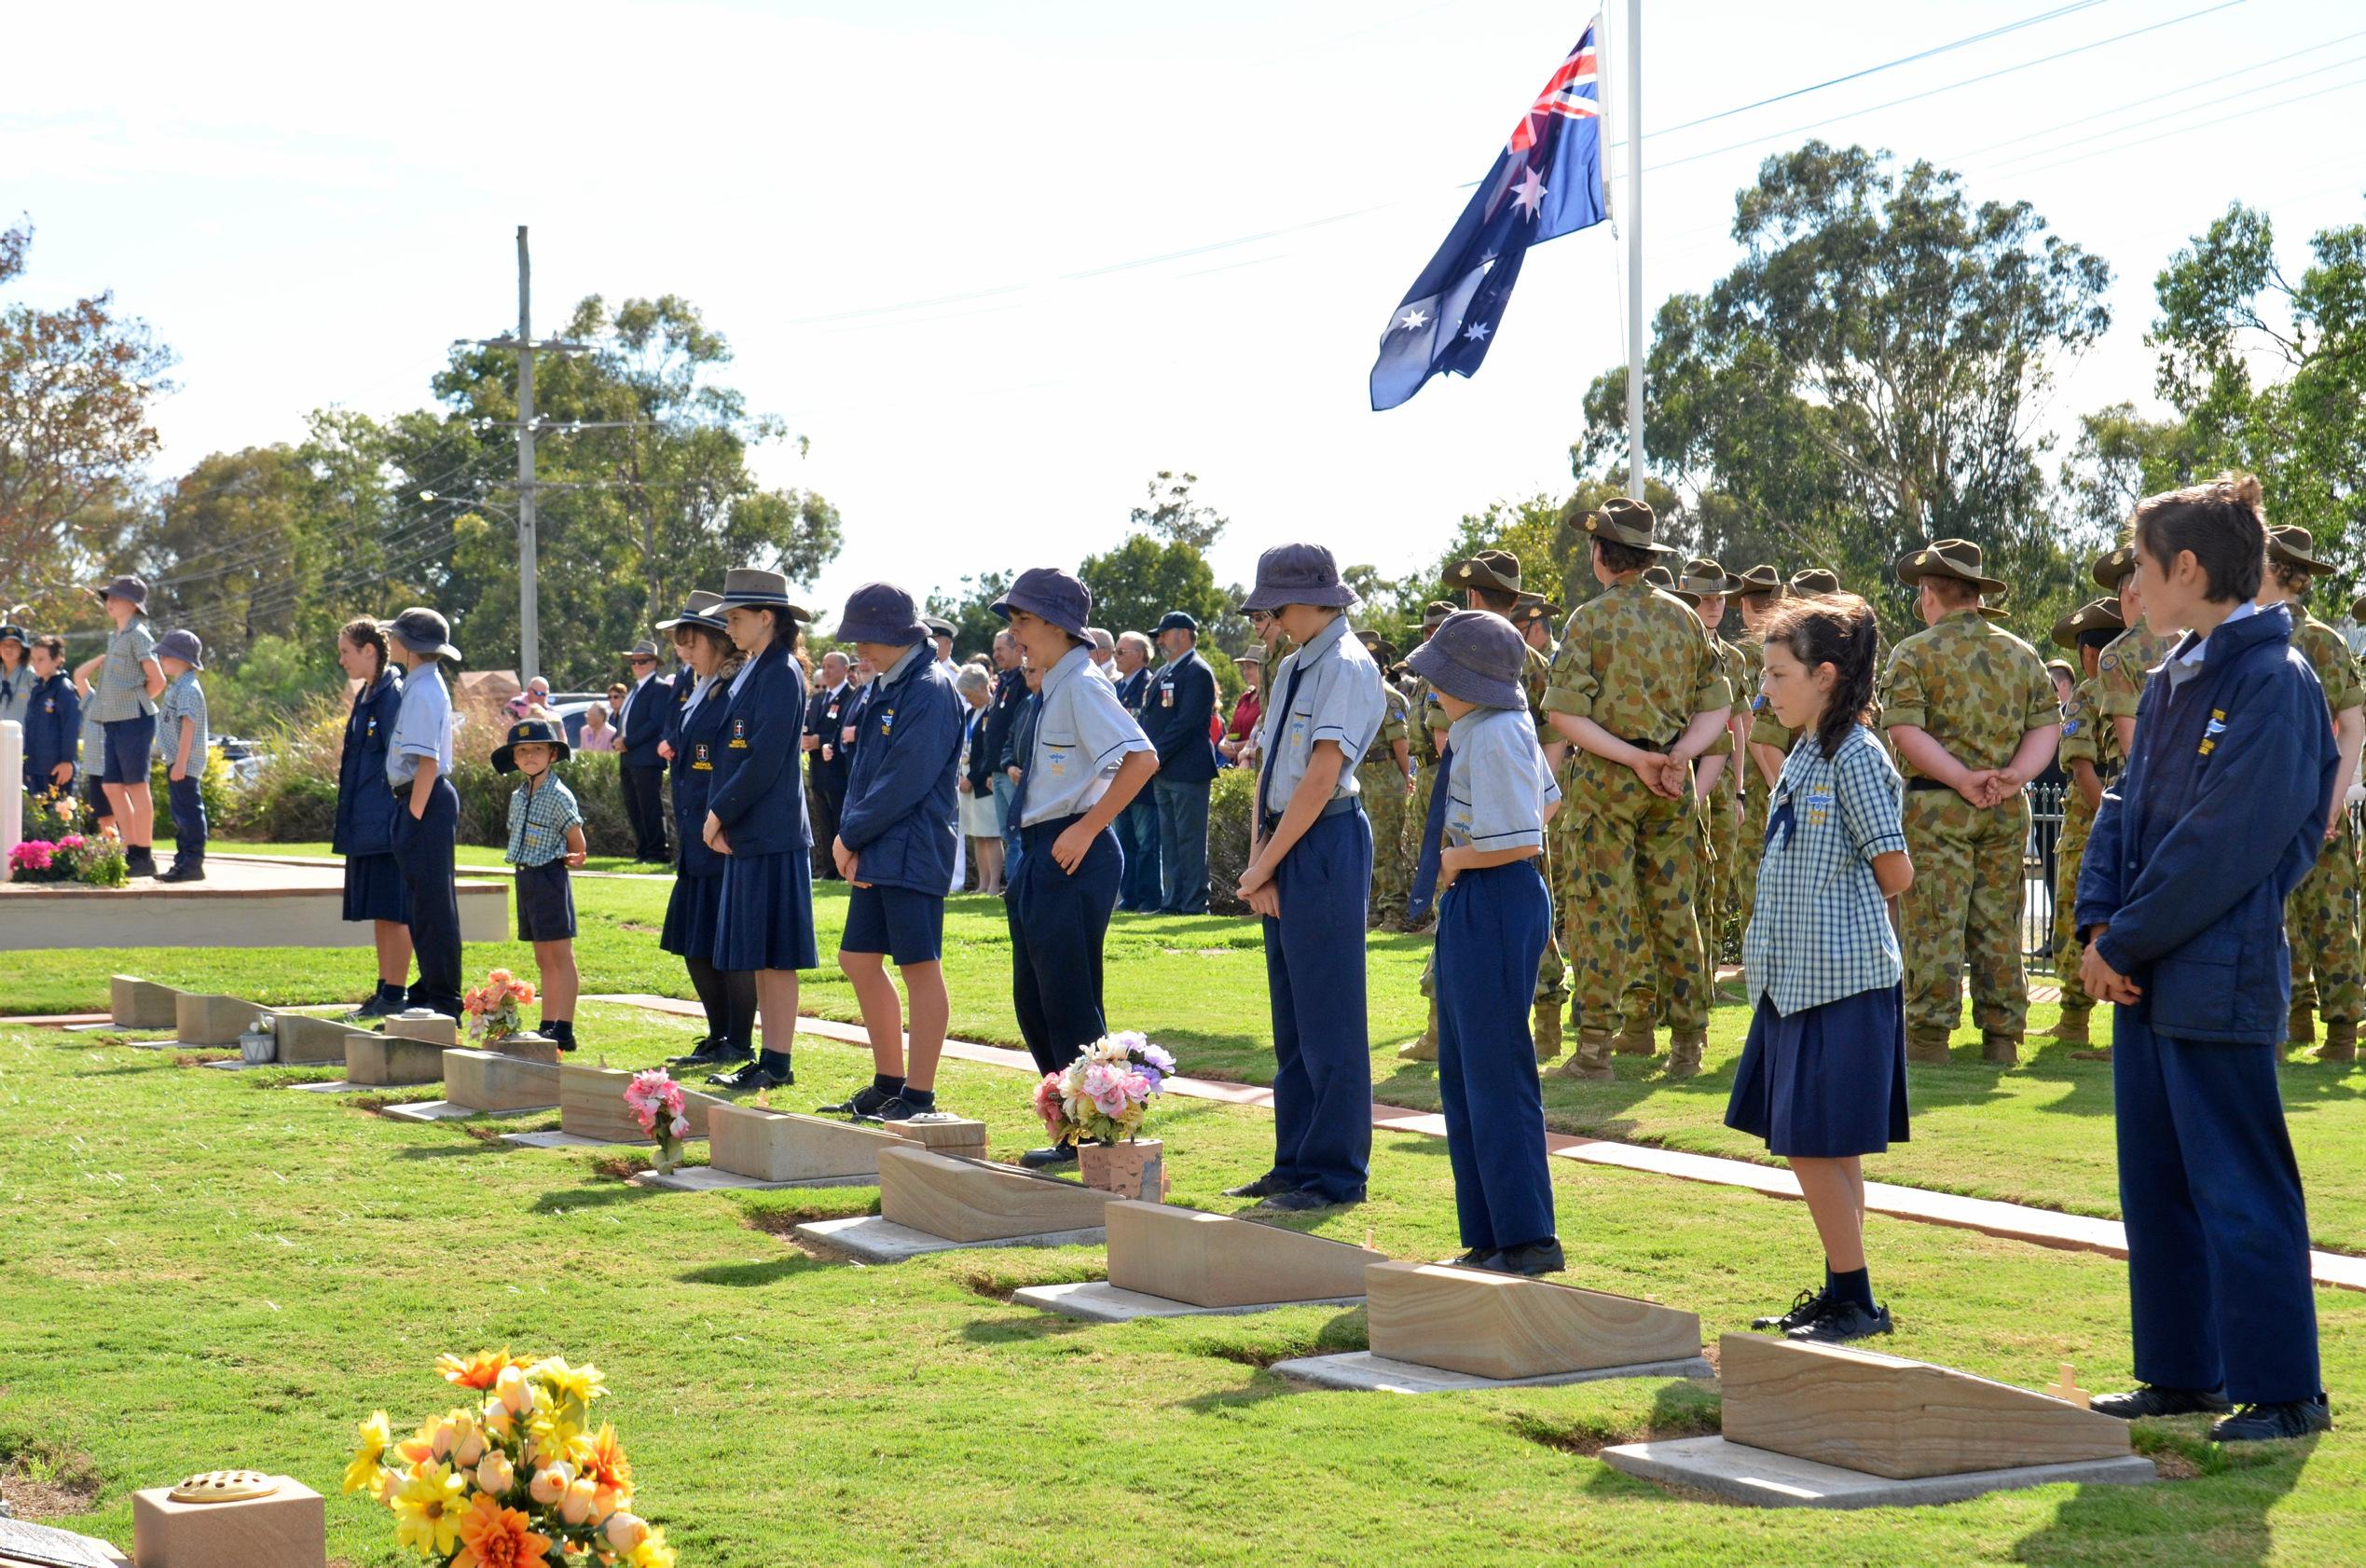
pixel 1633 107
pixel 529 621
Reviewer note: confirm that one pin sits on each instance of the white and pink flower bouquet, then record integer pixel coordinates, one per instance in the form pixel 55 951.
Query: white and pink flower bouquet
pixel 1105 1094
pixel 656 1101
pixel 492 1007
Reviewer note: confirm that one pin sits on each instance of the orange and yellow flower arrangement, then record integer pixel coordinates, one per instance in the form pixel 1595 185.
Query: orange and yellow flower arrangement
pixel 516 1480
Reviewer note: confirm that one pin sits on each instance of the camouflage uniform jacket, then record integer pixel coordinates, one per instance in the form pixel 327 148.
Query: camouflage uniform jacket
pixel 1971 686
pixel 2336 667
pixel 1382 753
pixel 2086 736
pixel 1639 663
pixel 2120 674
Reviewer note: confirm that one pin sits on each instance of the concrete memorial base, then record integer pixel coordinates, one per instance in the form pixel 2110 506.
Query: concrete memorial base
pixel 203 1020
pixel 875 1239
pixel 386 1061
pixel 1362 1369
pixel 1739 1473
pixel 1507 1329
pixel 778 1147
pixel 244 902
pixel 1098 1302
pixel 591 1106
pixel 977 1201
pixel 288 1528
pixel 309 1042
pixel 42 1543
pixel 142 1004
pixel 713 1178
pixel 1212 1260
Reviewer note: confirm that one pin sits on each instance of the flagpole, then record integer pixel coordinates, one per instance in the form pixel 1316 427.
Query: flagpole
pixel 1633 104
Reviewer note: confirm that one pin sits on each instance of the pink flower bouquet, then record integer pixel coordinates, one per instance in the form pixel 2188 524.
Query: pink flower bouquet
pixel 492 1007
pixel 656 1101
pixel 1105 1094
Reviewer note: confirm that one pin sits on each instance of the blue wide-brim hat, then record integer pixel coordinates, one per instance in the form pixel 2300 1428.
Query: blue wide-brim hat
pixel 126 588
pixel 1298 574
pixel 531 732
pixel 883 614
pixel 1050 593
pixel 423 631
pixel 181 645
pixel 1476 655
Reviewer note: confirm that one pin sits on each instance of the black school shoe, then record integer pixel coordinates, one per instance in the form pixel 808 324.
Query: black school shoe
pixel 1265 1186
pixel 1805 1309
pixel 1044 1158
pixel 714 1052
pixel 1531 1258
pixel 866 1100
pixel 1840 1322
pixel 1301 1201
pixel 754 1075
pixel 378 1006
pixel 183 874
pixel 2260 1424
pixel 901 1109
pixel 139 863
pixel 2150 1399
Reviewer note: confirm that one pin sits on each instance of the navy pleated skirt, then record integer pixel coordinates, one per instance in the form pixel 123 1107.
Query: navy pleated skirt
pixel 374 890
pixel 767 919
pixel 1827 1082
pixel 691 914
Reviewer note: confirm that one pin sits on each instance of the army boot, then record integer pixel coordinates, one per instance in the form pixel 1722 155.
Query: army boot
pixel 2341 1042
pixel 2005 1049
pixel 2301 1028
pixel 1425 1048
pixel 1926 1045
pixel 2070 1027
pixel 1635 1040
pixel 1548 1028
pixel 1684 1056
pixel 1592 1060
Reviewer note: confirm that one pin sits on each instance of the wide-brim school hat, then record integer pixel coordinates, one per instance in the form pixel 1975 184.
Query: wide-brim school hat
pixel 2062 665
pixel 17 635
pixel 423 631
pixel 1759 579
pixel 1622 519
pixel 2112 568
pixel 126 586
pixel 1498 569
pixel 1433 615
pixel 1048 594
pixel 883 614
pixel 1298 574
pixel 699 610
pixel 181 645
pixel 531 732
pixel 2102 614
pixel 1958 558
pixel 1250 657
pixel 748 588
pixel 1477 656
pixel 2292 546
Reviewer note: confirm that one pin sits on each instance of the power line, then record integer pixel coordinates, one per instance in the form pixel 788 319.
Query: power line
pixel 2212 106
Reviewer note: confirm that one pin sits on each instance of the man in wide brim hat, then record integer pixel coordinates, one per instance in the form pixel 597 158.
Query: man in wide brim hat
pixel 1536 610
pixel 1957 559
pixel 1811 581
pixel 2098 616
pixel 1382 650
pixel 1298 574
pixel 1703 578
pixel 1496 570
pixel 2288 545
pixel 1621 520
pixel 2112 568
pixel 1761 582
pixel 701 609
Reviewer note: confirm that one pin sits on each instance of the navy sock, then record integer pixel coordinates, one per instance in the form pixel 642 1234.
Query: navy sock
pixel 392 990
pixel 921 1099
pixel 886 1085
pixel 1854 1287
pixel 561 1029
pixel 774 1061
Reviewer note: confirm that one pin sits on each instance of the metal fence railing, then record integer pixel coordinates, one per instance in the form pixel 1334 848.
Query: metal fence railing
pixel 2036 875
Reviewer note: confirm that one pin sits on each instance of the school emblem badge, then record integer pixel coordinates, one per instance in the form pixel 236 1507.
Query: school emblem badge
pixel 2211 731
pixel 701 759
pixel 886 723
pixel 738 734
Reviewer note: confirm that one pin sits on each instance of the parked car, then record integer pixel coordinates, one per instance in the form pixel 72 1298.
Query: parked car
pixel 246 757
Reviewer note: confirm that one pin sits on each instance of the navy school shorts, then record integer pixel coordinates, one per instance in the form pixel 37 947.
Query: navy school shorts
pixel 906 925
pixel 546 903
pixel 130 741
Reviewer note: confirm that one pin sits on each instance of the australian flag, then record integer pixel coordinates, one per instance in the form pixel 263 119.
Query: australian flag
pixel 1546 182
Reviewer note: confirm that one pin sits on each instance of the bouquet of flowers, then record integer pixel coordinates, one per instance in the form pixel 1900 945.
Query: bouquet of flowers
pixel 36 860
pixel 98 861
pixel 492 1007
pixel 515 1477
pixel 1104 1094
pixel 656 1101
pixel 54 813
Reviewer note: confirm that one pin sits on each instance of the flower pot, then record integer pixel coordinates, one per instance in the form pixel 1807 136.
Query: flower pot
pixel 259 1046
pixel 1130 1170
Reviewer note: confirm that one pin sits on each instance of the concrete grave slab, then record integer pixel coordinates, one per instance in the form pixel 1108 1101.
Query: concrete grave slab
pixel 1098 1302
pixel 591 1104
pixel 442 1110
pixel 776 1146
pixel 1217 1260
pixel 977 1201
pixel 308 1041
pixel 957 1137
pixel 495 1080
pixel 1739 1473
pixel 432 1028
pixel 199 1018
pixel 381 1061
pixel 556 1140
pixel 1503 1328
pixel 875 1240
pixel 712 1179
pixel 288 1528
pixel 1362 1369
pixel 1887 1416
pixel 142 1004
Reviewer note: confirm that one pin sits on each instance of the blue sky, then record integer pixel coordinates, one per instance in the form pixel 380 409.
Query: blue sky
pixel 998 263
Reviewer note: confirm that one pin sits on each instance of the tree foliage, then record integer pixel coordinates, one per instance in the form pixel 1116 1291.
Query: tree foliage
pixel 1174 517
pixel 1139 581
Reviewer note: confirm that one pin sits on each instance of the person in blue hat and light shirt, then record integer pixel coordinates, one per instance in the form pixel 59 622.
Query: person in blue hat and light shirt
pixel 1087 759
pixel 418 770
pixel 1310 875
pixel 1175 716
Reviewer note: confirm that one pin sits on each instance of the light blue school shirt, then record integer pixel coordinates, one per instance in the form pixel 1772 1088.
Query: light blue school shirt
pixel 422 727
pixel 1500 788
pixel 1337 698
pixel 1081 733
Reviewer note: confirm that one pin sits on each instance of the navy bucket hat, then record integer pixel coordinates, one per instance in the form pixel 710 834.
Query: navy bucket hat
pixel 1475 656
pixel 1298 574
pixel 1052 595
pixel 882 612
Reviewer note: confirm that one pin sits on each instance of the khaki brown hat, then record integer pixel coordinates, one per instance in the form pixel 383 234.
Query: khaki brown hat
pixel 2102 614
pixel 1498 569
pixel 2112 568
pixel 1809 580
pixel 2062 665
pixel 1704 577
pixel 1996 615
pixel 1382 650
pixel 1537 607
pixel 1957 558
pixel 1660 577
pixel 1759 580
pixel 1433 613
pixel 1622 519
pixel 2291 544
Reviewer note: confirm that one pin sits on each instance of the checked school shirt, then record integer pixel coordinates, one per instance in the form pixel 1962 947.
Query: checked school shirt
pixel 539 818
pixel 1820 929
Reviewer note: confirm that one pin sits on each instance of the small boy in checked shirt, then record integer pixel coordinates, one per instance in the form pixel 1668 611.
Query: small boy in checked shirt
pixel 545 840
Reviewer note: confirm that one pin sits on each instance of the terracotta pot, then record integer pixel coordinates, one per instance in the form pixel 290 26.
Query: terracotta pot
pixel 1131 1170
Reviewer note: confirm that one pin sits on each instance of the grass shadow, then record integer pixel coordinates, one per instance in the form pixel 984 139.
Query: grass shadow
pixel 743 1275
pixel 605 1194
pixel 2248 1482
pixel 441 1150
pixel 1033 1328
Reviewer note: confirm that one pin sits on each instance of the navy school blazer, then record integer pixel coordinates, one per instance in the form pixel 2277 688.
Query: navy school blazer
pixel 647 717
pixel 52 726
pixel 696 741
pixel 364 805
pixel 2218 817
pixel 899 811
pixel 759 792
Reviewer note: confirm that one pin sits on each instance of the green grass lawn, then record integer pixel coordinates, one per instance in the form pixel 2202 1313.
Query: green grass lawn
pixel 2040 1134
pixel 204 1269
pixel 464 854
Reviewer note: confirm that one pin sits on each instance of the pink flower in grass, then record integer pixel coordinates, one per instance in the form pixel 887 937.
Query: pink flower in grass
pixel 1047 1096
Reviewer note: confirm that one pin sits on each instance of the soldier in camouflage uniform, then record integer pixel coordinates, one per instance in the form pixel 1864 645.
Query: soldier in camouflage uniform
pixel 1637 692
pixel 1426 759
pixel 1383 780
pixel 1756 599
pixel 2089 754
pixel 1974 716
pixel 1704 586
pixel 1539 619
pixel 2320 917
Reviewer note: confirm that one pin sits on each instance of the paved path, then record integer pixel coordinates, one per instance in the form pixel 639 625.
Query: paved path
pixel 2014 1221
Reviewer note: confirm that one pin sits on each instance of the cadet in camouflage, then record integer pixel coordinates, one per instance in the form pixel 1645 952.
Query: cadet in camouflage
pixel 2089 754
pixel 2134 655
pixel 1383 781
pixel 1637 692
pixel 1538 618
pixel 1426 759
pixel 1974 716
pixel 1758 598
pixel 2320 917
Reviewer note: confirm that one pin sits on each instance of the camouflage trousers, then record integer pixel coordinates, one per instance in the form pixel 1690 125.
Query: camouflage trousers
pixel 1634 920
pixel 2070 853
pixel 1963 909
pixel 1383 788
pixel 2320 920
pixel 1720 816
pixel 1750 847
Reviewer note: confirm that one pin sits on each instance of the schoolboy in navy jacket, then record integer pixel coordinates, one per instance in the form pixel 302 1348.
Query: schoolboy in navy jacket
pixel 2220 812
pixel 52 719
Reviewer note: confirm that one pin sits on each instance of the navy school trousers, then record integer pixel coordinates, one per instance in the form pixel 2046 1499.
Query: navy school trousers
pixel 1314 972
pixel 1492 925
pixel 2218 1268
pixel 423 850
pixel 1057 921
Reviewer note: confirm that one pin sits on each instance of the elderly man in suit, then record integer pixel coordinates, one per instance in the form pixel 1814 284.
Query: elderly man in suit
pixel 641 724
pixel 1177 716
